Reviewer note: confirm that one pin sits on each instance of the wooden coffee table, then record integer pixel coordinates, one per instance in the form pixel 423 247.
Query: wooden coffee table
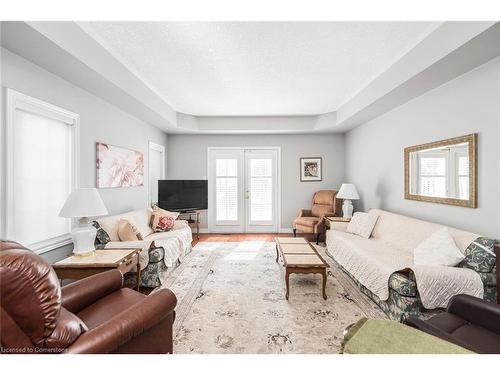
pixel 76 268
pixel 299 256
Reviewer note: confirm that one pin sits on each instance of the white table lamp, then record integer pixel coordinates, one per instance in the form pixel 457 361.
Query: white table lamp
pixel 83 203
pixel 347 192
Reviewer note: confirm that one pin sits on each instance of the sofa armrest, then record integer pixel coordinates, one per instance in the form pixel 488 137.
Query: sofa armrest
pixel 304 212
pixel 82 293
pixel 476 311
pixel 127 325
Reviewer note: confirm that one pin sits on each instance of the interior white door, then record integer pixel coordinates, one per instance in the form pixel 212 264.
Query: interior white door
pixel 243 190
pixel 261 190
pixel 156 170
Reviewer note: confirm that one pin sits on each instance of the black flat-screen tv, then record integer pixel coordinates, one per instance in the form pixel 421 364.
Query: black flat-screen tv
pixel 183 195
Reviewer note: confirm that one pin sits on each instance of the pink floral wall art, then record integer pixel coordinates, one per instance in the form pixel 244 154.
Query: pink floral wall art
pixel 119 167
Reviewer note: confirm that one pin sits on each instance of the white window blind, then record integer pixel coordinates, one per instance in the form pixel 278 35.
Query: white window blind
pixel 226 186
pixel 261 190
pixel 42 177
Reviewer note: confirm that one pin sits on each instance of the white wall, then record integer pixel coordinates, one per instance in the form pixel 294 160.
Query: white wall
pixel 467 104
pixel 187 159
pixel 99 121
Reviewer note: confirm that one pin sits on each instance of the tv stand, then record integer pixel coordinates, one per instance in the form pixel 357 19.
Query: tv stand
pixel 193 220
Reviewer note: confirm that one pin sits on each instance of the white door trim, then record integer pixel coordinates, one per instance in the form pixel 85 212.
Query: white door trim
pixel 243 148
pixel 160 148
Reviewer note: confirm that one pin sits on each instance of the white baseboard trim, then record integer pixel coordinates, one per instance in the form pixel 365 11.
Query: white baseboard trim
pixel 286 230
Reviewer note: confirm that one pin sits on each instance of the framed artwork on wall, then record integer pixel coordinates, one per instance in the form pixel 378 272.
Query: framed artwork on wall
pixel 310 169
pixel 118 166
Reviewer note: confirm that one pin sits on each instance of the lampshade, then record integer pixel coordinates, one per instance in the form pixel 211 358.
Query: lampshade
pixel 348 191
pixel 83 202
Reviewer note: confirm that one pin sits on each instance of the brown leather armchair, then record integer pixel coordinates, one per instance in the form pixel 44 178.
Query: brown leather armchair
pixel 324 203
pixel 93 315
pixel 468 321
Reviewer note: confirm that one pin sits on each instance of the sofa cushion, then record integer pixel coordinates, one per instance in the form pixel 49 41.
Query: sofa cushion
pixel 162 223
pixel 161 211
pixel 102 237
pixel 438 250
pixel 362 224
pixel 141 217
pixel 127 231
pixel 407 232
pixel 307 221
pixel 480 255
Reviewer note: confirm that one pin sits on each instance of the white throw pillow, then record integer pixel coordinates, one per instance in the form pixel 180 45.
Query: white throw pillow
pixel 362 224
pixel 438 250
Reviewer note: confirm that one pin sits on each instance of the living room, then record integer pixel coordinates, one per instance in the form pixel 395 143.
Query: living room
pixel 245 187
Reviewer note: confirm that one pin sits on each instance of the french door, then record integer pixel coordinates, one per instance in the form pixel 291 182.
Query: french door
pixel 243 190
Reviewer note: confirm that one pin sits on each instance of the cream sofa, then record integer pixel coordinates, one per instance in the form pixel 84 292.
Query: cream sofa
pixel 161 252
pixel 397 236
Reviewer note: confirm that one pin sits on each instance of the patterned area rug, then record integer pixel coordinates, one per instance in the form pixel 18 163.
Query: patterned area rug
pixel 231 300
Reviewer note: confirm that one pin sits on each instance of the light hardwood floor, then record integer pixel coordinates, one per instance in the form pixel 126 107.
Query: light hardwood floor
pixel 237 237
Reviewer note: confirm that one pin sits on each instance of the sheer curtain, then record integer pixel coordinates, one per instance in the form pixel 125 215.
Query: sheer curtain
pixel 42 163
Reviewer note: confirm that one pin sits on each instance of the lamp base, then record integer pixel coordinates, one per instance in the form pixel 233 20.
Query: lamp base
pixel 347 209
pixel 83 240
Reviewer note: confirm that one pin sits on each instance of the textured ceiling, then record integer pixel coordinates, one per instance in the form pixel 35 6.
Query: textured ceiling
pixel 258 68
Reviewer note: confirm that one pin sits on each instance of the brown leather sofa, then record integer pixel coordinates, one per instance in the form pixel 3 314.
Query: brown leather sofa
pixel 324 203
pixel 468 321
pixel 93 315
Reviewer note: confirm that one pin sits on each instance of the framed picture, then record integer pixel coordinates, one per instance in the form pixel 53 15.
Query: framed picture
pixel 310 169
pixel 118 166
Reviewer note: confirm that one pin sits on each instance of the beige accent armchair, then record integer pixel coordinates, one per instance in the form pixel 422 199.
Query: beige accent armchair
pixel 324 203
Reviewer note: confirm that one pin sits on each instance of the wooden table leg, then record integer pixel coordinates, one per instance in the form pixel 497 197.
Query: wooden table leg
pixel 277 253
pixel 324 283
pixel 138 273
pixel 287 282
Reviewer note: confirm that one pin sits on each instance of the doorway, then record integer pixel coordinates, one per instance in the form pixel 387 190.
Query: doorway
pixel 244 189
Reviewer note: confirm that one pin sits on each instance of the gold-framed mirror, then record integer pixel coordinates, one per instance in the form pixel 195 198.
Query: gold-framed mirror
pixel 443 171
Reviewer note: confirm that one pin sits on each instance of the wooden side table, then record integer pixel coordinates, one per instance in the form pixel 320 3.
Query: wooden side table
pixel 335 219
pixel 193 219
pixel 76 268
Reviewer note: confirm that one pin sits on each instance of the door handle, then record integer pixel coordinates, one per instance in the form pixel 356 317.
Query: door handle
pixel 247 194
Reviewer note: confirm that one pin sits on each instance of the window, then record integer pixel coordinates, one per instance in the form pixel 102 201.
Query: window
pixel 444 173
pixel 433 175
pixel 41 171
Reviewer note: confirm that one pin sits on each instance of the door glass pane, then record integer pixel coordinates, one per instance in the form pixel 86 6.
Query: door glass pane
pixel 226 167
pixel 261 167
pixel 261 198
pixel 226 197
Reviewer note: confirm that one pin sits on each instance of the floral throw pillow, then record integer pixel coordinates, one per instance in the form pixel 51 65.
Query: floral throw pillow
pixel 162 223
